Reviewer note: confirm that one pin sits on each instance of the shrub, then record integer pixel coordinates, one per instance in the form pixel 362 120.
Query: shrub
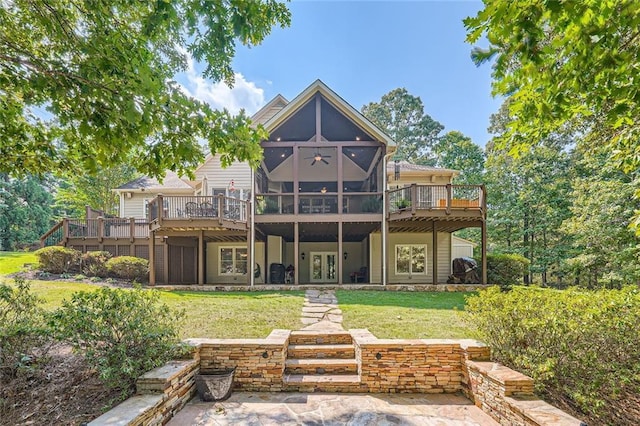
pixel 580 346
pixel 22 327
pixel 94 263
pixel 122 333
pixel 128 268
pixel 506 270
pixel 58 260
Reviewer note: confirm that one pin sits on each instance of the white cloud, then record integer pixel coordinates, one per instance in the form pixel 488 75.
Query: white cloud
pixel 244 94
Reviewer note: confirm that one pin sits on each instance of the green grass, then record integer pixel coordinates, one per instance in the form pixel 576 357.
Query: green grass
pixel 12 261
pixel 399 315
pixel 213 315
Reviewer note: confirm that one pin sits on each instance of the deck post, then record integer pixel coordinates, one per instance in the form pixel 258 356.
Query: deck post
pixel 434 252
pixel 448 210
pixel 65 231
pixel 340 251
pixel 100 233
pixel 152 258
pixel 413 194
pixel 250 261
pixel 159 209
pixel 201 258
pixel 296 254
pixel 132 229
pixel 484 251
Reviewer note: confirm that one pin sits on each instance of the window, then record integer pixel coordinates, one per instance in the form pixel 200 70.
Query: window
pixel 411 259
pixel 233 261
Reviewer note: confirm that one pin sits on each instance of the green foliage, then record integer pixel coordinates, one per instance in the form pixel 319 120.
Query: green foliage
pixel 58 260
pixel 22 327
pixel 583 345
pixel 506 270
pixel 457 152
pixel 401 116
pixel 271 205
pixel 25 210
pixel 104 72
pixel 94 263
pixel 122 333
pixel 566 66
pixel 403 203
pixel 128 268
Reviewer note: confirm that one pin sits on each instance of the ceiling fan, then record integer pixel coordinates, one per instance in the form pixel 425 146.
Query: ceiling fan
pixel 318 157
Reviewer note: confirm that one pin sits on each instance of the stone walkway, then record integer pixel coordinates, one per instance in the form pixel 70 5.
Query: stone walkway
pixel 320 311
pixel 280 409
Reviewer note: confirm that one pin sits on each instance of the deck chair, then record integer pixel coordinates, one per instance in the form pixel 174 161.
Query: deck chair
pixel 359 276
pixel 192 209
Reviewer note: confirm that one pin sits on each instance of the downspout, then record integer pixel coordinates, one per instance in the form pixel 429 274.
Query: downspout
pixel 252 232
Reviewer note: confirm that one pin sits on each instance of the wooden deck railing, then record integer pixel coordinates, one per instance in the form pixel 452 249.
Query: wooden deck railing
pixel 165 207
pixel 432 197
pixel 100 228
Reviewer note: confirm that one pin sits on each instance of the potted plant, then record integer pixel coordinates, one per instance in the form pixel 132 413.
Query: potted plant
pixel 403 204
pixel 216 385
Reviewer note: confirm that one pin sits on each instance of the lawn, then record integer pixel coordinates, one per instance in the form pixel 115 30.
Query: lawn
pixel 400 315
pixel 12 261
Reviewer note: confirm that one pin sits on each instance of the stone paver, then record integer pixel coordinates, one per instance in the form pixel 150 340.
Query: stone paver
pixel 262 408
pixel 320 311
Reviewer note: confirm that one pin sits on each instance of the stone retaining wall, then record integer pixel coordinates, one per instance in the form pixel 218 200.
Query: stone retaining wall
pixel 161 393
pixel 259 362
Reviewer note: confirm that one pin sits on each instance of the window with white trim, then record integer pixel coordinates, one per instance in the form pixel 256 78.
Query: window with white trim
pixel 411 259
pixel 232 260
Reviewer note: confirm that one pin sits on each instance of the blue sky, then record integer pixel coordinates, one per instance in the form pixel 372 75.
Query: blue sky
pixel 362 50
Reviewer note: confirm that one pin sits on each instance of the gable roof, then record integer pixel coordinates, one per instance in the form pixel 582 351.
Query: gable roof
pixel 278 102
pixel 171 181
pixel 340 104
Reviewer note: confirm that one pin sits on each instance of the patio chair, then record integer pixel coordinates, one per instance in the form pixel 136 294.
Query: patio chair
pixel 191 209
pixel 207 209
pixel 359 276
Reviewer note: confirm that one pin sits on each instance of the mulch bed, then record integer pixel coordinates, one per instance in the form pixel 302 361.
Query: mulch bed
pixel 65 391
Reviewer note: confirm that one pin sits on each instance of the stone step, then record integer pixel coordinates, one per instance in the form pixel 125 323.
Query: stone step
pixel 322 379
pixel 321 351
pixel 311 337
pixel 321 366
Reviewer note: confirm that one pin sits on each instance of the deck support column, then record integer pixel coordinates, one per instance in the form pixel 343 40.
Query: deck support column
pixel 484 252
pixel 434 260
pixel 152 258
pixel 296 253
pixel 201 258
pixel 250 261
pixel 340 251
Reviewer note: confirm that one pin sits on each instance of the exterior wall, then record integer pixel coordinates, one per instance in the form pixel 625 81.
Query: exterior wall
pixel 356 257
pixel 212 273
pixel 274 251
pixel 267 114
pixel 461 247
pixel 217 177
pixel 134 206
pixel 407 179
pixel 375 257
pixel 259 251
pixel 444 256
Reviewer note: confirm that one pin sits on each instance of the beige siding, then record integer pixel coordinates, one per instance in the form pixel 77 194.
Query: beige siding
pixel 461 248
pixel 217 177
pixel 213 265
pixel 134 206
pixel 375 250
pixel 264 116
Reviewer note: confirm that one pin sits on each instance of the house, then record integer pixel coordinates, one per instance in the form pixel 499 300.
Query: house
pixel 326 205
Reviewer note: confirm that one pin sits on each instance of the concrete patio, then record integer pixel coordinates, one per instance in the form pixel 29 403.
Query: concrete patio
pixel 263 408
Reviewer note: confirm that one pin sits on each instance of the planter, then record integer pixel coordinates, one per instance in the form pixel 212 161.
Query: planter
pixel 215 386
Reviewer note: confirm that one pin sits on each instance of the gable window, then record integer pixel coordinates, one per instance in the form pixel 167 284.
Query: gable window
pixel 411 259
pixel 233 260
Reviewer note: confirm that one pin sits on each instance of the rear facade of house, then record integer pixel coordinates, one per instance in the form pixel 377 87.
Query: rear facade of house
pixel 327 205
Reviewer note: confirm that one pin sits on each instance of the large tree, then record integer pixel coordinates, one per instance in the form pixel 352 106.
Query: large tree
pixel 458 152
pixel 401 115
pixel 566 65
pixel 85 84
pixel 25 210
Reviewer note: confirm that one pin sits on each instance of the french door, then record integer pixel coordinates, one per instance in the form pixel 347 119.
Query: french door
pixel 324 267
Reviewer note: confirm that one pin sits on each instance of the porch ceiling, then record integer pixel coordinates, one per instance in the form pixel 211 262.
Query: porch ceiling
pixel 422 224
pixel 320 232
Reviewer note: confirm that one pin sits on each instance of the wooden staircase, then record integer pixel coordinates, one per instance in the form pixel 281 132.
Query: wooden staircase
pixel 321 361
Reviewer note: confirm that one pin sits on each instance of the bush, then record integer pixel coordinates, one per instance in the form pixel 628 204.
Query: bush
pixel 22 327
pixel 122 333
pixel 582 347
pixel 128 268
pixel 58 260
pixel 94 263
pixel 506 270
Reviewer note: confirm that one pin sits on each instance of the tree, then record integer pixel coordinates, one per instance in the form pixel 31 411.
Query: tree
pixel 25 211
pixel 566 66
pixel 401 115
pixel 456 151
pixel 103 71
pixel 76 191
